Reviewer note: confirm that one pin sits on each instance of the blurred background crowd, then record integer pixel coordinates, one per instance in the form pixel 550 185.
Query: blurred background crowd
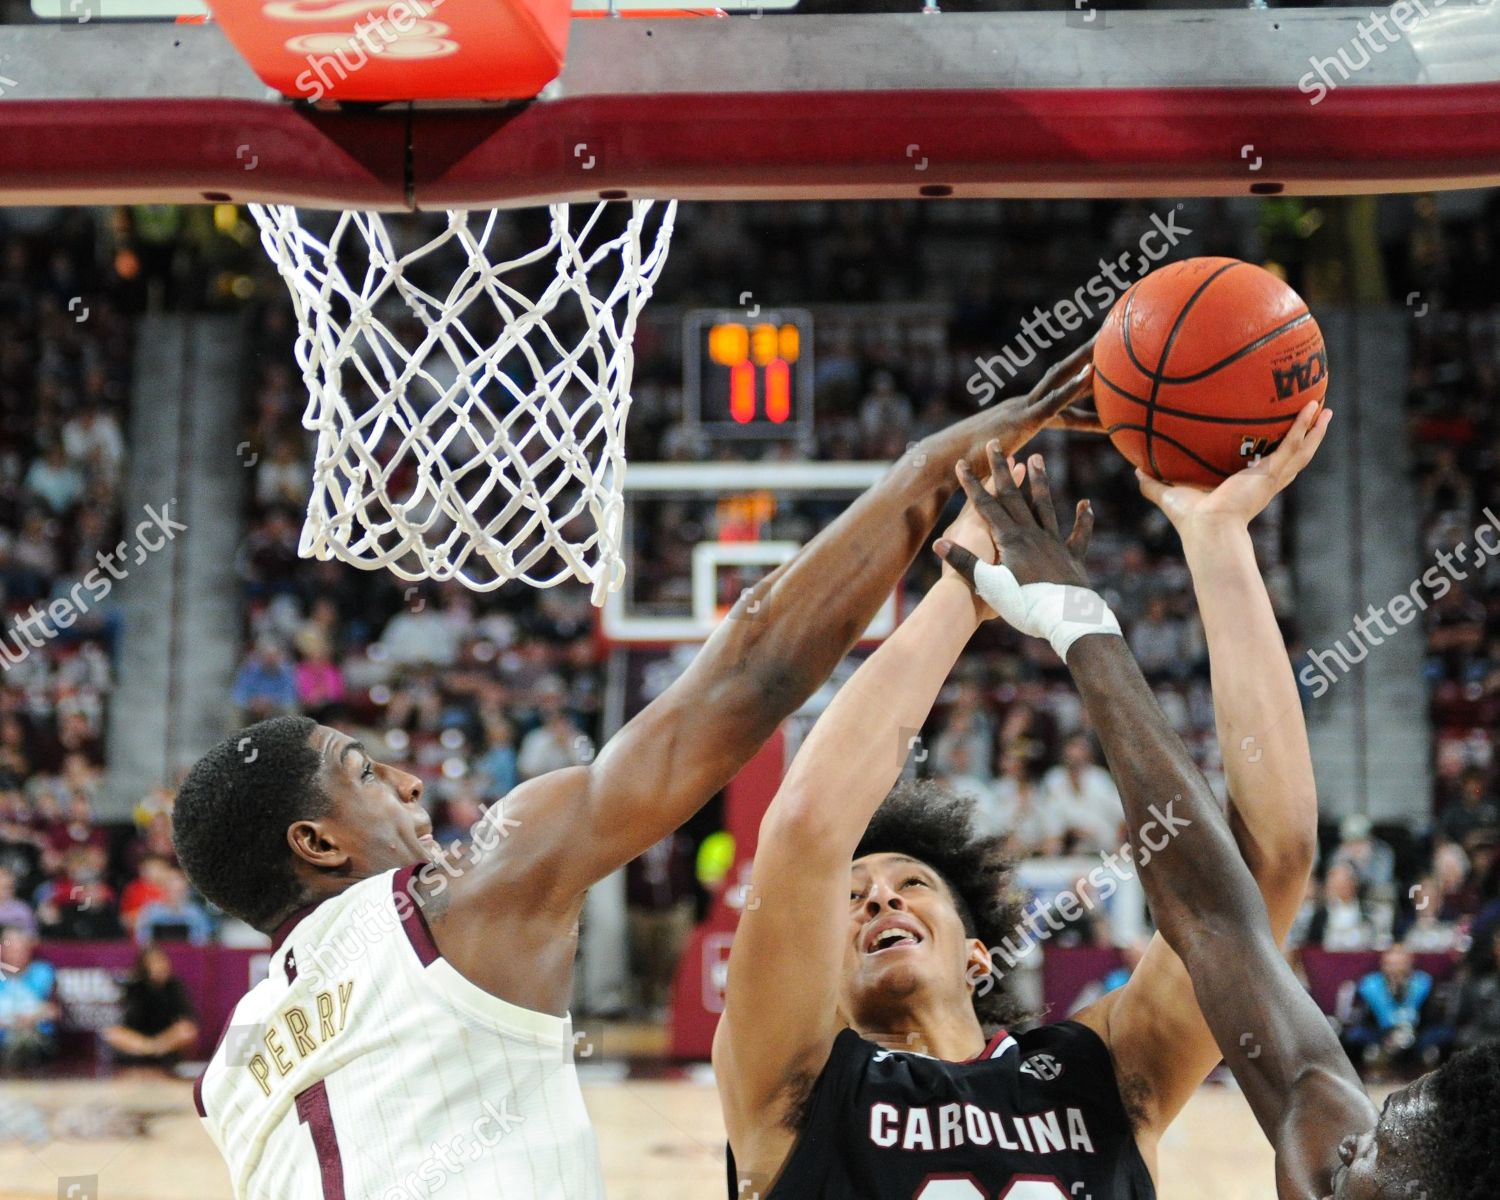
pixel 478 692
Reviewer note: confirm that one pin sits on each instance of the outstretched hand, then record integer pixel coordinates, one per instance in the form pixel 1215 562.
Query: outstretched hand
pixel 1059 400
pixel 1023 527
pixel 971 532
pixel 1241 497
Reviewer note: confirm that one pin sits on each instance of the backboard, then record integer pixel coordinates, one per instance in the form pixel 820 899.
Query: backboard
pixel 698 536
pixel 760 104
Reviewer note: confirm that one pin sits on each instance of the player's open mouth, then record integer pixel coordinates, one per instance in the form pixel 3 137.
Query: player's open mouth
pixel 890 936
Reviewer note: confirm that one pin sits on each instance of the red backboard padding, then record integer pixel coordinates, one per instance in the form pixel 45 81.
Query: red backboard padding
pixel 1049 142
pixel 402 50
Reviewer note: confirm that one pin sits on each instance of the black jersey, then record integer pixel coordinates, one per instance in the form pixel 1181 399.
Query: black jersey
pixel 1035 1117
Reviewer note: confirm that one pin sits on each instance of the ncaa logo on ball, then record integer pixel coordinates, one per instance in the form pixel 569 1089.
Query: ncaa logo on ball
pixel 1303 374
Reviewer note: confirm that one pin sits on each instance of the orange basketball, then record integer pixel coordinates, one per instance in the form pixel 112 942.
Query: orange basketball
pixel 1202 365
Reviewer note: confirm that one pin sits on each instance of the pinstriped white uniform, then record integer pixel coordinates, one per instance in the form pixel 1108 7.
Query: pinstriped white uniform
pixel 365 1067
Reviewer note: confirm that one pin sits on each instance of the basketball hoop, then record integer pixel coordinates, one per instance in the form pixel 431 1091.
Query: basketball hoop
pixel 469 398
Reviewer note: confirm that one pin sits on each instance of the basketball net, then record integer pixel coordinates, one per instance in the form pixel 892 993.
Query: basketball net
pixel 469 396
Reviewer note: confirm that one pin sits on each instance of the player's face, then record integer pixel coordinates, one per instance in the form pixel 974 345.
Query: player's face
pixel 1384 1162
pixel 376 818
pixel 906 941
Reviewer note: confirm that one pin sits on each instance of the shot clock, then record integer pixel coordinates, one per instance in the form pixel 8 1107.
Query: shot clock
pixel 748 376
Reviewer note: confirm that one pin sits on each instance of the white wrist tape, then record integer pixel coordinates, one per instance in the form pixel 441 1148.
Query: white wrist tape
pixel 1058 612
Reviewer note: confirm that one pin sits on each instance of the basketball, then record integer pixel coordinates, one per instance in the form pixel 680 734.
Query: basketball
pixel 1201 367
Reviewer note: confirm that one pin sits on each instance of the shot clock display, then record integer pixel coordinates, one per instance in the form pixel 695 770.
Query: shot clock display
pixel 749 376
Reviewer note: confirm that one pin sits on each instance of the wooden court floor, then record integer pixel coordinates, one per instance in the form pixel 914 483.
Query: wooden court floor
pixel 659 1140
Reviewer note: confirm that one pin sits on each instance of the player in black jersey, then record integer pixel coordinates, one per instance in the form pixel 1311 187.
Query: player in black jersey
pixel 1435 1139
pixel 858 1057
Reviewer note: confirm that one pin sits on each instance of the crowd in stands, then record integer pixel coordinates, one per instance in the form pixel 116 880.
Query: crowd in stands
pixel 66 346
pixel 1401 1015
pixel 477 692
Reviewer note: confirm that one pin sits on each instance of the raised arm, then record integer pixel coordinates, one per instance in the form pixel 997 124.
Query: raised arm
pixel 1159 1039
pixel 777 647
pixel 781 1010
pixel 781 1007
pixel 1280 1047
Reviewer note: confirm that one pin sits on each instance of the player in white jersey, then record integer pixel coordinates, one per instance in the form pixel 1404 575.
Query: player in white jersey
pixel 412 1038
pixel 439 1087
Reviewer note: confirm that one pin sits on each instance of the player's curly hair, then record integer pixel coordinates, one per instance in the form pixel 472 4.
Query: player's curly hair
pixel 1464 1154
pixel 232 813
pixel 927 822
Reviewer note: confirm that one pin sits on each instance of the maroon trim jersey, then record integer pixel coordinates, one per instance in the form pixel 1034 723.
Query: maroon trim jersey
pixel 1035 1117
pixel 366 1067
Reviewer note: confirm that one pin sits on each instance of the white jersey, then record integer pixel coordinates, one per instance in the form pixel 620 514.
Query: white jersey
pixel 367 1068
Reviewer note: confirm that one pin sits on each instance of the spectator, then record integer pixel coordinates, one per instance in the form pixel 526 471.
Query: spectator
pixel 15 913
pixel 54 480
pixel 76 829
pixel 1423 930
pixel 1078 919
pixel 36 558
pixel 320 683
pixel 1373 861
pixel 265 684
pixel 157 1021
pixel 420 635
pixel 28 1013
pixel 964 747
pixel 92 441
pixel 283 478
pixel 148 887
pixel 1082 796
pixel 1389 1026
pixel 1016 808
pixel 1158 640
pixel 268 562
pixel 176 918
pixel 21 846
pixel 460 813
pixel 550 746
pixel 1475 812
pixel 496 768
pixel 970 726
pixel 885 411
pixel 958 774
pixel 1450 871
pixel 660 895
pixel 1477 1013
pixel 1342 921
pixel 79 904
pixel 1024 731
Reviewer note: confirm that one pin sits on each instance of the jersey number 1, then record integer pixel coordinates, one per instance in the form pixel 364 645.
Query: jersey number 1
pixel 314 1112
pixel 965 1187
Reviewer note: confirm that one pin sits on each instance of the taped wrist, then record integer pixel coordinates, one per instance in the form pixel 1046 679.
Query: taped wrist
pixel 1059 612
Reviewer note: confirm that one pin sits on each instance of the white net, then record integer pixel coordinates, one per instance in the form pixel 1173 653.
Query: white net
pixel 469 395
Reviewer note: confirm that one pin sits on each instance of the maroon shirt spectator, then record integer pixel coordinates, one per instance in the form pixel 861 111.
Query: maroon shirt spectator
pixel 76 829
